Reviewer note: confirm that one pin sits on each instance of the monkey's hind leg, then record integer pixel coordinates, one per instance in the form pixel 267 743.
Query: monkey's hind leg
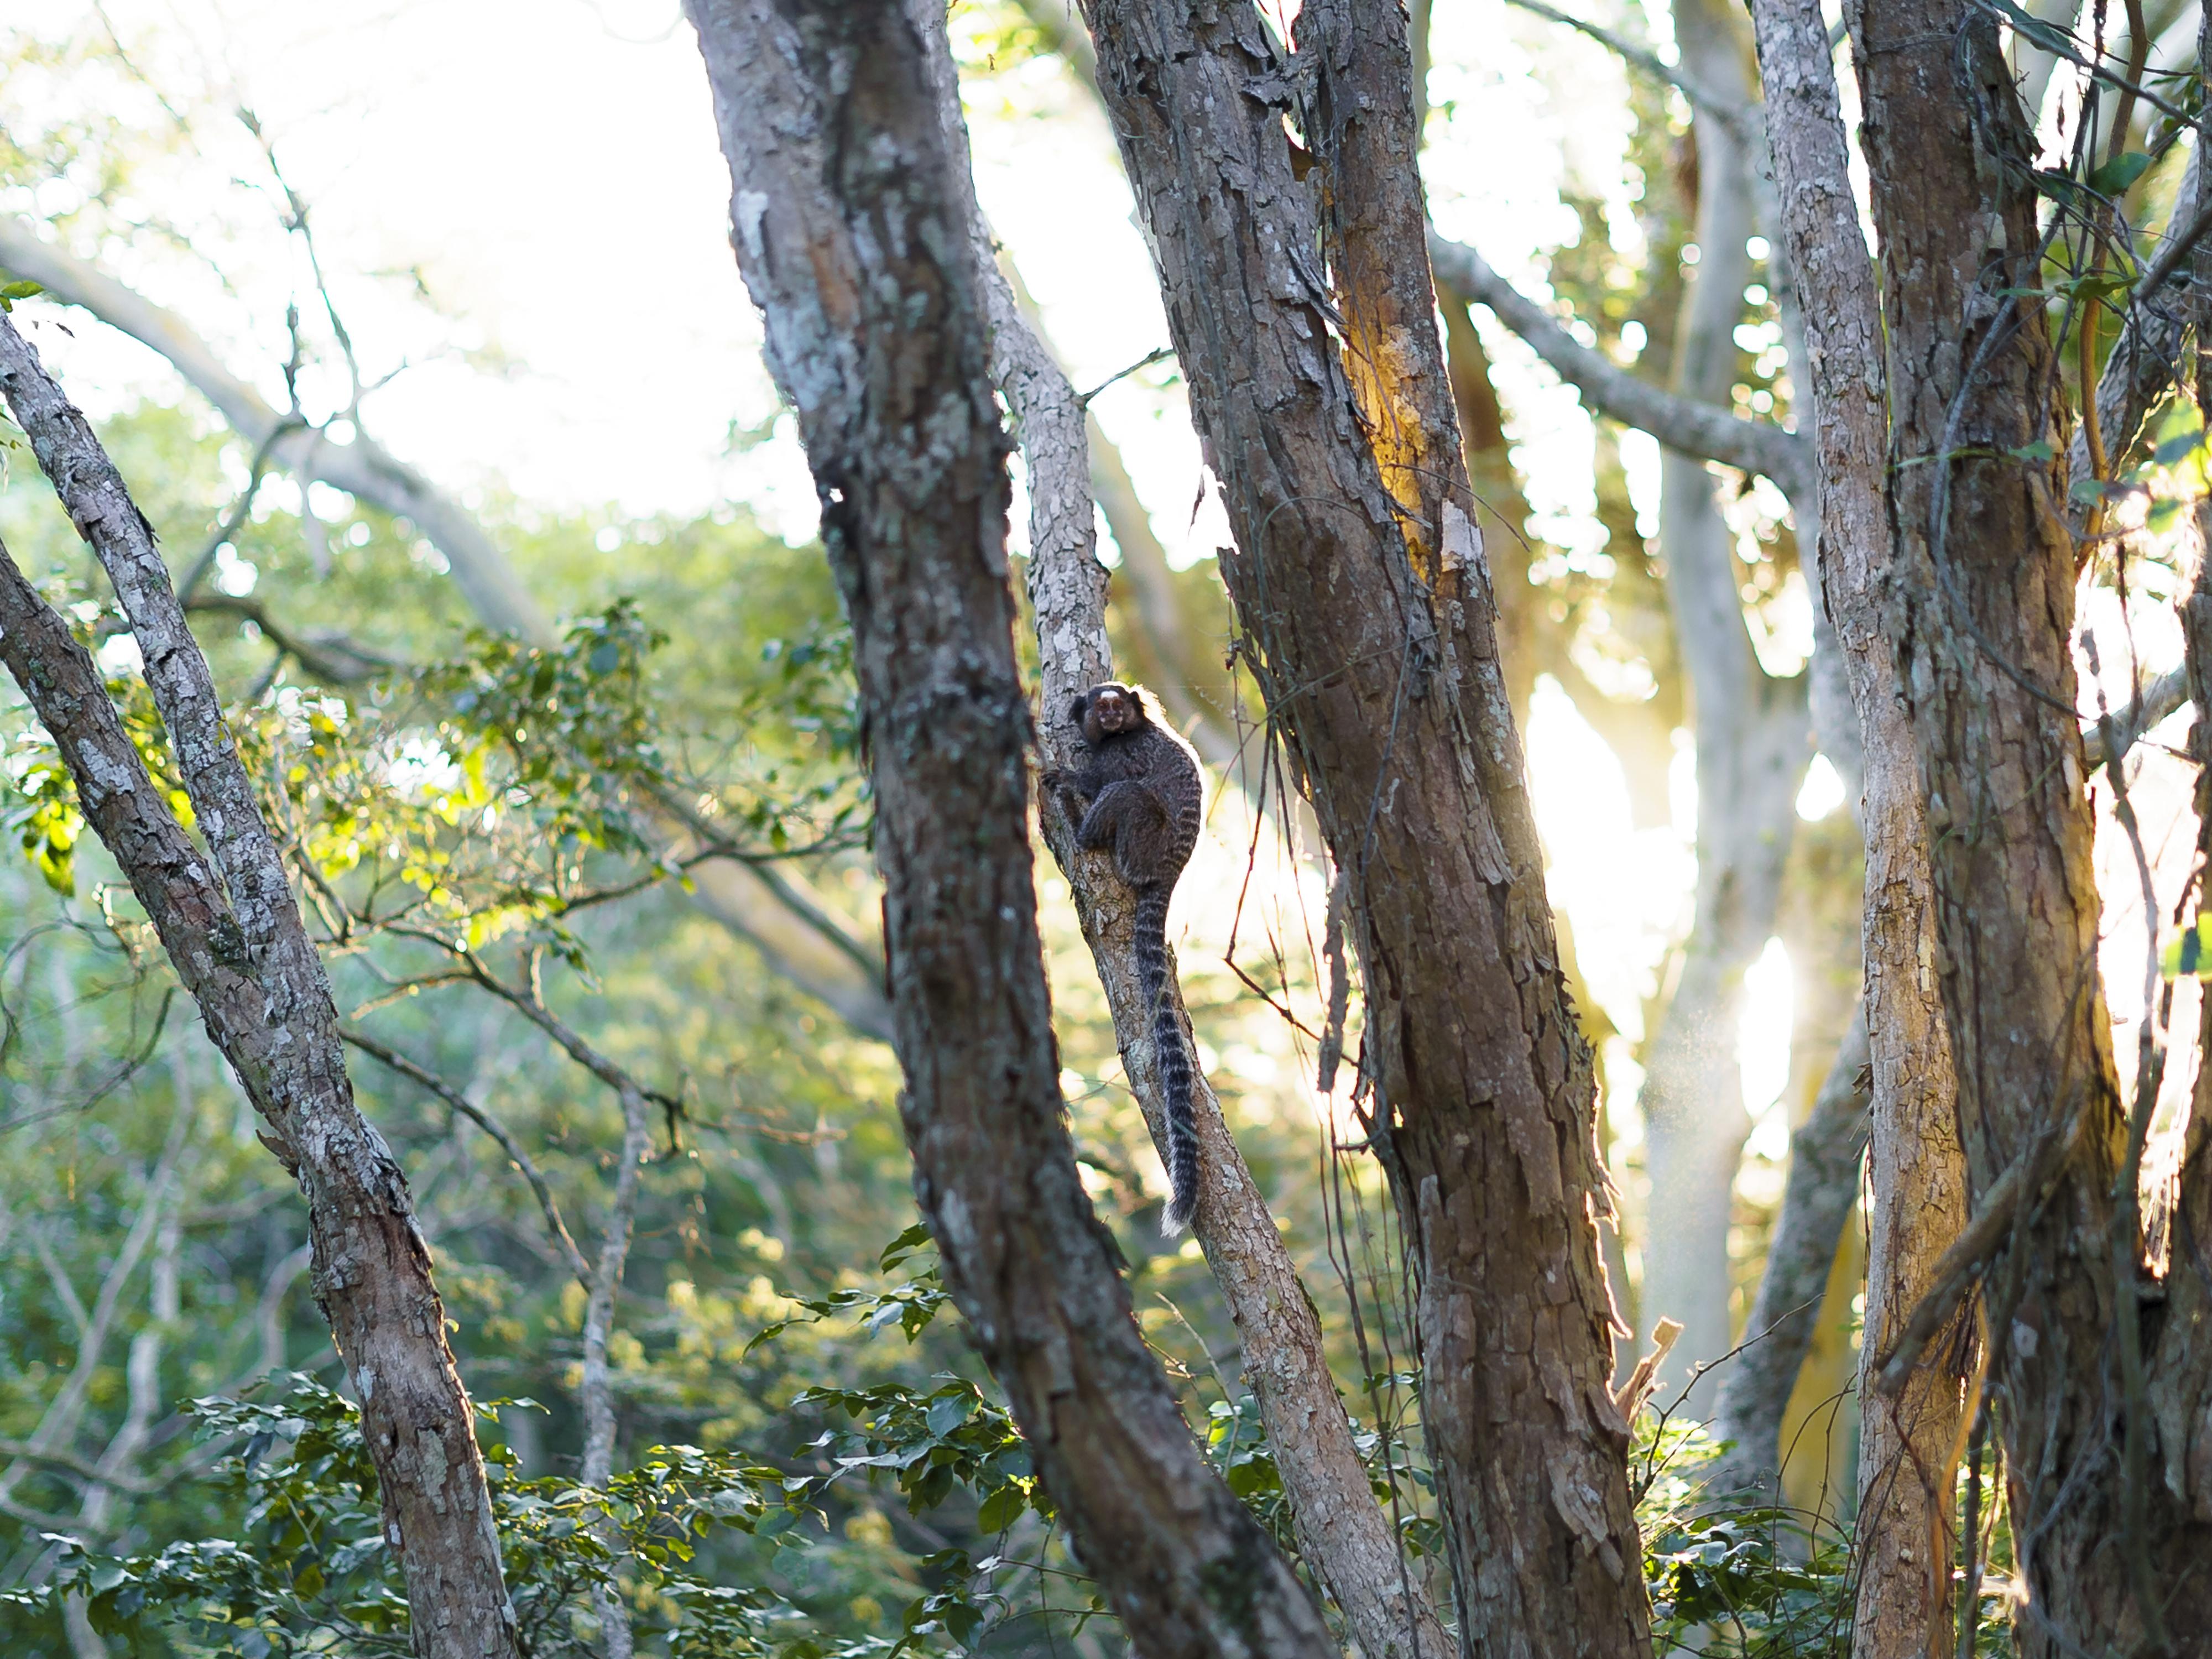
pixel 1102 819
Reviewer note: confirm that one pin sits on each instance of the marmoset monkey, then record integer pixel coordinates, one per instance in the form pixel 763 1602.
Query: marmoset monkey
pixel 1141 792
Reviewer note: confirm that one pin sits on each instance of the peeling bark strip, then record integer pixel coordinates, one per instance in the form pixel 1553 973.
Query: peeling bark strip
pixel 1387 683
pixel 850 235
pixel 1343 1535
pixel 234 935
pixel 2089 1372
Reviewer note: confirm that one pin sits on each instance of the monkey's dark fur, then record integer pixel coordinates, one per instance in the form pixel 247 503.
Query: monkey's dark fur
pixel 1138 791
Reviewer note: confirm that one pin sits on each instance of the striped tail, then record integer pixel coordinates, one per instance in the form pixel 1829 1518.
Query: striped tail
pixel 1173 1058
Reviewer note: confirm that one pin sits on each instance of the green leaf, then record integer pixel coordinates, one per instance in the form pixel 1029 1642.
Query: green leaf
pixel 914 1238
pixel 2052 39
pixel 2178 448
pixel 1001 1509
pixel 2116 175
pixel 2189 953
pixel 949 1414
pixel 2041 450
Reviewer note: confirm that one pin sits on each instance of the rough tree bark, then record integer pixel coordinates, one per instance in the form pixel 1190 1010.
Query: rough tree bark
pixel 1343 1534
pixel 1368 621
pixel 849 230
pixel 230 926
pixel 1979 570
pixel 2181 1371
pixel 1908 1442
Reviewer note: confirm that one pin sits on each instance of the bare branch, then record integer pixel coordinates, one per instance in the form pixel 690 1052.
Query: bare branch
pixel 424 1078
pixel 2161 698
pixel 361 468
pixel 1687 428
pixel 1738 116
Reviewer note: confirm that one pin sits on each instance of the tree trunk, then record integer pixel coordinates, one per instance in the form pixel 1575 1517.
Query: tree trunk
pixel 1753 741
pixel 849 231
pixel 1825 1152
pixel 234 936
pixel 1369 622
pixel 1908 1442
pixel 1980 575
pixel 1343 1535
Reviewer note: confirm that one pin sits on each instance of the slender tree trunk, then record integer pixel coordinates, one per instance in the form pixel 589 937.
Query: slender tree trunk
pixel 1368 620
pixel 850 231
pixel 1908 1442
pixel 1753 741
pixel 1825 1153
pixel 234 935
pixel 603 1295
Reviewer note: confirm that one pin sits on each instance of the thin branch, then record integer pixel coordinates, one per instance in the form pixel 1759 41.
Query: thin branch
pixel 84 1469
pixel 333 658
pixel 424 1077
pixel 361 468
pixel 2161 698
pixel 195 572
pixel 1955 1271
pixel 1689 428
pixel 1738 116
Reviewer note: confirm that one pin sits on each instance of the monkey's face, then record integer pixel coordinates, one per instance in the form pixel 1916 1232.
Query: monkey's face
pixel 1114 708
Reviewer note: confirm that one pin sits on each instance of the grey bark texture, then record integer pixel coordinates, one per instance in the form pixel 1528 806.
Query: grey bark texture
pixel 1909 1442
pixel 1368 621
pixel 229 922
pixel 1343 1535
pixel 596 1394
pixel 851 232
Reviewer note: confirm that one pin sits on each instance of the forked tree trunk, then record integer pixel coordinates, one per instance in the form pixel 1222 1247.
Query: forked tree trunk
pixel 226 918
pixel 849 229
pixel 1367 615
pixel 1344 1537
